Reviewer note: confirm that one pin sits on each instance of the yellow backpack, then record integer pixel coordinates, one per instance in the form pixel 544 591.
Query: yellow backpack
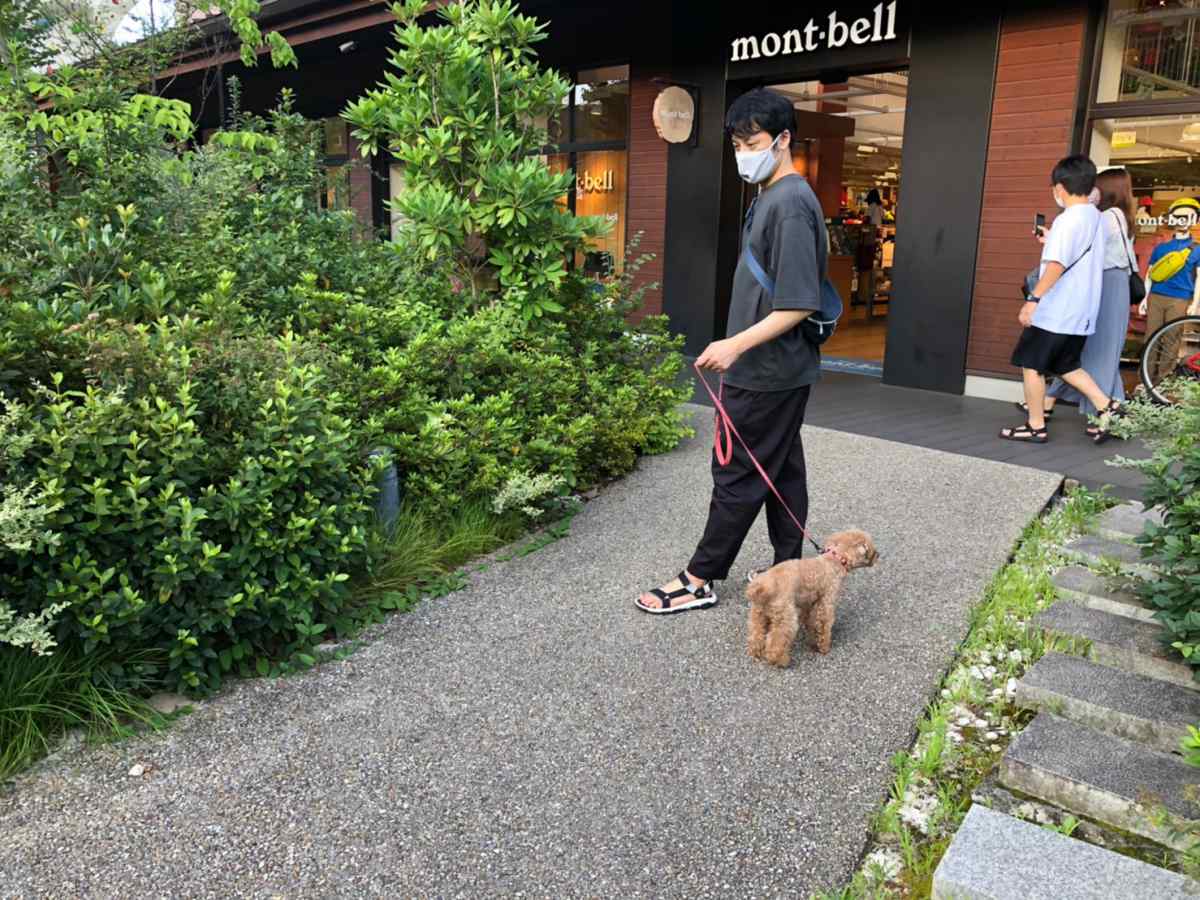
pixel 1171 264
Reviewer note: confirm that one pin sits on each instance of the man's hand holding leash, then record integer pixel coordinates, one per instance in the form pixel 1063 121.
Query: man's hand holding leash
pixel 719 356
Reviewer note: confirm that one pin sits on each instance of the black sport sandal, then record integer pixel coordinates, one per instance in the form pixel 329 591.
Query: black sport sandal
pixel 1115 410
pixel 680 600
pixel 1026 434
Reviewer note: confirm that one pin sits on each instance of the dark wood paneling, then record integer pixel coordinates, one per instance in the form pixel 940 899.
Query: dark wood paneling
pixel 1037 95
pixel 647 208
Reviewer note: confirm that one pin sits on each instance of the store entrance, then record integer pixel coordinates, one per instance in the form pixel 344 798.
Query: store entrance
pixel 848 144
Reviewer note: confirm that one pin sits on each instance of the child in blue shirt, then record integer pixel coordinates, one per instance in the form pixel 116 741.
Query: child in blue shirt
pixel 1061 310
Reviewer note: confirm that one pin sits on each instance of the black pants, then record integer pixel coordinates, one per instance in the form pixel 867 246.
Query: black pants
pixel 770 424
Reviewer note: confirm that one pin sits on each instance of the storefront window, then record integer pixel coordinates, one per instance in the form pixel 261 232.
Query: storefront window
pixel 1151 51
pixel 601 107
pixel 1162 155
pixel 591 140
pixel 335 193
pixel 395 189
pixel 600 191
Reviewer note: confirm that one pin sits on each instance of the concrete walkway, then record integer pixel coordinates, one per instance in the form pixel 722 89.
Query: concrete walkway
pixel 535 735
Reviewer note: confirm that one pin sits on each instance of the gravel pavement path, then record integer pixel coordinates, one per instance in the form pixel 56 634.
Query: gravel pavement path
pixel 535 735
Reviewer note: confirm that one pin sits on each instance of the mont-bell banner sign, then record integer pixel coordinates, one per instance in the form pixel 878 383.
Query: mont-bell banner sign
pixel 834 31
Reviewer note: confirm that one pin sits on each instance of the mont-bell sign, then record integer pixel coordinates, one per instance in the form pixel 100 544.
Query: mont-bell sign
pixel 825 33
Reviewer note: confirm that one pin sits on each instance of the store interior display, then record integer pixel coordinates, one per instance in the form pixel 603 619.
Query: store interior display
pixel 1162 155
pixel 848 144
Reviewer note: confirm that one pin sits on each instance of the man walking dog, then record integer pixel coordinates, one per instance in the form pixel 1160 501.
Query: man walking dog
pixel 767 363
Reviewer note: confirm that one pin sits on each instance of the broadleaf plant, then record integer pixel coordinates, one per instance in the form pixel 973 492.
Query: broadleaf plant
pixel 465 113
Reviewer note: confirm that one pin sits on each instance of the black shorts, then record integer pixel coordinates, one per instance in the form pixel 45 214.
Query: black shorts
pixel 1048 352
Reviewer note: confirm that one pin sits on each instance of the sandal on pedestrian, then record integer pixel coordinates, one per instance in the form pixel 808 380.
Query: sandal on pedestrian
pixel 1026 434
pixel 1024 407
pixel 681 599
pixel 1114 410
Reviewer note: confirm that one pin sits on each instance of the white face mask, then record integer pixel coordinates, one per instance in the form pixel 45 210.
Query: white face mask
pixel 756 166
pixel 1054 194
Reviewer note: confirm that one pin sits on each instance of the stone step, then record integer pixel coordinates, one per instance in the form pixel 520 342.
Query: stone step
pixel 1134 707
pixel 1126 522
pixel 1112 595
pixel 1117 641
pixel 997 857
pixel 1106 778
pixel 1098 551
pixel 994 796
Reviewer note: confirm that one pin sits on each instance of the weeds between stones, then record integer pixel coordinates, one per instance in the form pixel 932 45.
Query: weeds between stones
pixel 967 727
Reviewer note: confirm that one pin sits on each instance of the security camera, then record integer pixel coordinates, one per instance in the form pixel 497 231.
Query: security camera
pixel 347 47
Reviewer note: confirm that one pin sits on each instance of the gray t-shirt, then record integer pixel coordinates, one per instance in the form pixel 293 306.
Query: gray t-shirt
pixel 786 233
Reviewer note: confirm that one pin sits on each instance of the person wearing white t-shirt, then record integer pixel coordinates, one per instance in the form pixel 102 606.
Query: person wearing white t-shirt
pixel 1061 311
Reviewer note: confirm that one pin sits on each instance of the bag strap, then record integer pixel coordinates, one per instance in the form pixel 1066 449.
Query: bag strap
pixel 1074 264
pixel 1133 268
pixel 766 282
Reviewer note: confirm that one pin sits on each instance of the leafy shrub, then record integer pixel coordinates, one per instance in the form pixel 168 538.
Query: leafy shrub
pixel 220 533
pixel 1172 484
pixel 222 353
pixel 465 112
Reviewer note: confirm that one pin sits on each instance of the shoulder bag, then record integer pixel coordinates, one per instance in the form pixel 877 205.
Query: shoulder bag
pixel 1137 287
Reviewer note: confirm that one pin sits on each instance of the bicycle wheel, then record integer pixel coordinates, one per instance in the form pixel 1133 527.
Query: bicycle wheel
pixel 1171 355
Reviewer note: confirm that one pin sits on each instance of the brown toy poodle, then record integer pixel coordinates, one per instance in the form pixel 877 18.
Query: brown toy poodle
pixel 803 592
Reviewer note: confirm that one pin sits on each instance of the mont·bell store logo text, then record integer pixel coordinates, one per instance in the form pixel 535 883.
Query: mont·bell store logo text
pixel 830 33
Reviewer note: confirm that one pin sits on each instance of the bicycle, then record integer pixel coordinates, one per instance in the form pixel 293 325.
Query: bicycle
pixel 1171 355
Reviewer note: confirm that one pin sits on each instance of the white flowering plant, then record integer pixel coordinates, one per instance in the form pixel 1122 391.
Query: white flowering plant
pixel 528 493
pixel 22 520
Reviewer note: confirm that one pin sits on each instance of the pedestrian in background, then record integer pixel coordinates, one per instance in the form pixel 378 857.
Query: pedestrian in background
pixel 1061 309
pixel 1101 356
pixel 874 208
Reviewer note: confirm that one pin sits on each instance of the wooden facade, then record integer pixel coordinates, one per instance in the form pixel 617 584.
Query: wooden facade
pixel 1037 93
pixel 647 204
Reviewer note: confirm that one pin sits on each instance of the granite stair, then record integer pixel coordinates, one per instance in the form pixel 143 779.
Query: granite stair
pixel 1133 707
pixel 1117 641
pixel 1084 587
pixel 1099 552
pixel 1121 783
pixel 1126 522
pixel 997 857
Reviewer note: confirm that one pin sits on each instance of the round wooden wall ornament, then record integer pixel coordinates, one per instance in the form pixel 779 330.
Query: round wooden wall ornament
pixel 674 114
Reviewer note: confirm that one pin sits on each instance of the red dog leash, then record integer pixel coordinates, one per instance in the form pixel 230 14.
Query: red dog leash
pixel 725 426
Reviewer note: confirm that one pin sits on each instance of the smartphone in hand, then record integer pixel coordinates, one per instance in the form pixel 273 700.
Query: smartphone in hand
pixel 1039 223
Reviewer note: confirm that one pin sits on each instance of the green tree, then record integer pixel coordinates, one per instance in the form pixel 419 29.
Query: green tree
pixel 466 112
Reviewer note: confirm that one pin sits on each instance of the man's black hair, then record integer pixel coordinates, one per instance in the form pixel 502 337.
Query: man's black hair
pixel 873 197
pixel 760 110
pixel 1075 173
